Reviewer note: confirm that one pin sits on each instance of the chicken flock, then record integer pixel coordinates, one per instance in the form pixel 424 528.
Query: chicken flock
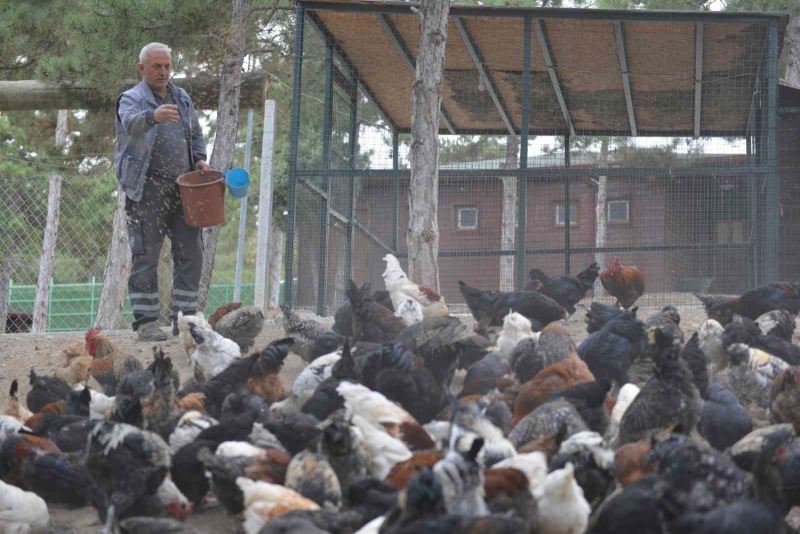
pixel 408 419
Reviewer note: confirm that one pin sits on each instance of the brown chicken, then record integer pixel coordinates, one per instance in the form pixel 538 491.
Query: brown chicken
pixel 77 367
pixel 192 401
pixel 13 407
pixel 507 492
pixel 109 363
pixel 784 398
pixel 548 382
pixel 372 321
pixel 222 311
pixel 58 408
pixel 623 282
pixel 403 472
pixel 16 451
pixel 630 462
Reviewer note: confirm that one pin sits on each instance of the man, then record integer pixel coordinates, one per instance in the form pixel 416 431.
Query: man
pixel 158 139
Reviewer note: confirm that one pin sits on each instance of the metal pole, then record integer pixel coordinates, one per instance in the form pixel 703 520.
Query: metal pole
pixel 522 181
pixel 261 297
pixel 324 212
pixel 237 280
pixel 293 149
pixel 752 198
pixel 773 177
pixel 396 177
pixel 567 218
pixel 351 209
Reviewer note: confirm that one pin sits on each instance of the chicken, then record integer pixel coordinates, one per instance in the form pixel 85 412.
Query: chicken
pixel 591 400
pixel 567 290
pixel 372 321
pixel 556 418
pixel 753 303
pixel 310 475
pixel 710 341
pixel 410 311
pixel 668 400
pixel 470 418
pixel 515 328
pixel 784 397
pixel 159 412
pixel 12 407
pixel 343 449
pixel 10 426
pixel 490 307
pixel 697 362
pixel 307 382
pixel 343 318
pixel 561 505
pixel 461 477
pixel 593 463
pixel 635 509
pixel 16 451
pixel 127 463
pixel 183 330
pixel 610 352
pixel 530 356
pixel 257 373
pixel 549 381
pixel 401 289
pixel 222 311
pixel 599 314
pixel 109 363
pixel 76 371
pixel 213 352
pixel 631 462
pixel 778 323
pixel 188 428
pixel 402 472
pixel 45 390
pixel 624 283
pixel 724 421
pixel 264 502
pixel 192 402
pixel 304 331
pixel 625 397
pixel 242 326
pixel 22 511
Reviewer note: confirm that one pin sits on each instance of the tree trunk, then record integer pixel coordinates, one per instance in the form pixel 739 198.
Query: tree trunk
pixel 31 95
pixel 601 215
pixel 508 227
pixel 115 275
pixel 5 291
pixel 426 101
pixel 40 305
pixel 276 248
pixel 791 47
pixel 227 126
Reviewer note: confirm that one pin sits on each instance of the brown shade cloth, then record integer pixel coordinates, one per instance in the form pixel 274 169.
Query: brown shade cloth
pixel 660 50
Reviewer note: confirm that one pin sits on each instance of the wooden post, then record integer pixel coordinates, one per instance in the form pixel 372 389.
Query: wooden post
pixel 227 126
pixel 508 227
pixel 264 251
pixel 426 102
pixel 50 236
pixel 277 240
pixel 115 274
pixel 5 291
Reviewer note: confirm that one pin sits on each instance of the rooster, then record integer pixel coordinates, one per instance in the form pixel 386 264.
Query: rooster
pixel 566 290
pixel 401 289
pixel 490 307
pixel 109 363
pixel 241 325
pixel 304 331
pixel 213 352
pixel 623 282
pixel 753 303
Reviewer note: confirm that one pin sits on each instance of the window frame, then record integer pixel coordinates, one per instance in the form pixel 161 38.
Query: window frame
pixel 627 219
pixel 573 213
pixel 460 228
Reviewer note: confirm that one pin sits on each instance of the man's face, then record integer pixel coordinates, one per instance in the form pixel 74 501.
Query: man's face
pixel 156 69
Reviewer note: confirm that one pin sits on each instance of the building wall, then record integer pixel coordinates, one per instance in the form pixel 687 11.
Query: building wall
pixel 789 162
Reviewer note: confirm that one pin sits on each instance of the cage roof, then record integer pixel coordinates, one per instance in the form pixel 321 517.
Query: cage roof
pixel 593 72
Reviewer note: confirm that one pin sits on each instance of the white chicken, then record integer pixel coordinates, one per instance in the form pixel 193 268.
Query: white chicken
pixel 375 408
pixel 306 383
pixel 100 406
pixel 21 511
pixel 183 330
pixel 710 341
pixel 401 289
pixel 561 506
pixel 231 449
pixel 410 311
pixel 212 353
pixel 762 362
pixel 625 397
pixel 264 502
pixel 516 327
pixel 10 425
pixel 383 450
pixel 532 464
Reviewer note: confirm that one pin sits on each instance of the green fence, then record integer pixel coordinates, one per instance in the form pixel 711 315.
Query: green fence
pixel 73 306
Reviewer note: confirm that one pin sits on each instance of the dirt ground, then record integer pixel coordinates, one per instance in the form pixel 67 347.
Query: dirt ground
pixel 21 352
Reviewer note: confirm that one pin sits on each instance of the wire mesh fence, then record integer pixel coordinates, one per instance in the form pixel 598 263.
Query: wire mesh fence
pixel 565 138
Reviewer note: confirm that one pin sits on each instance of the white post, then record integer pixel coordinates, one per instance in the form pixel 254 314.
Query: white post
pixel 40 305
pixel 237 282
pixel 265 206
pixel 601 216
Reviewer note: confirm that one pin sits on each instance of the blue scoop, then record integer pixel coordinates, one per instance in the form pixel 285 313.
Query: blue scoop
pixel 238 180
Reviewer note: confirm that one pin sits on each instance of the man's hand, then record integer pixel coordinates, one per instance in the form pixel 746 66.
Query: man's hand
pixel 166 113
pixel 202 166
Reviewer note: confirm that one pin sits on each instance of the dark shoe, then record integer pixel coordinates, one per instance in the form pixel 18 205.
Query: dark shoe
pixel 150 332
pixel 175 327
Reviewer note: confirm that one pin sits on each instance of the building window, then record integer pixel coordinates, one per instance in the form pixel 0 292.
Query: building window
pixel 618 211
pixel 561 215
pixel 467 218
pixel 730 232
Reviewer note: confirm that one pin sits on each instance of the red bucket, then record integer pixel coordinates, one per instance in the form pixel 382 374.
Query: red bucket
pixel 203 198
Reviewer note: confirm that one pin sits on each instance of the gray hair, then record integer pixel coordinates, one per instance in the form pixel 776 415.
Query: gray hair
pixel 153 47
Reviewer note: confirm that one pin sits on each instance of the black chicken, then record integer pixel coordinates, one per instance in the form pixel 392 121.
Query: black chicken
pixel 724 421
pixel 490 307
pixel 753 303
pixel 372 321
pixel 567 290
pixel 610 352
pixel 599 314
pixel 44 390
pixel 343 318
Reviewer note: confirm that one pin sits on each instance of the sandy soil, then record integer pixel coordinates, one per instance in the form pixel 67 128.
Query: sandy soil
pixel 21 352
